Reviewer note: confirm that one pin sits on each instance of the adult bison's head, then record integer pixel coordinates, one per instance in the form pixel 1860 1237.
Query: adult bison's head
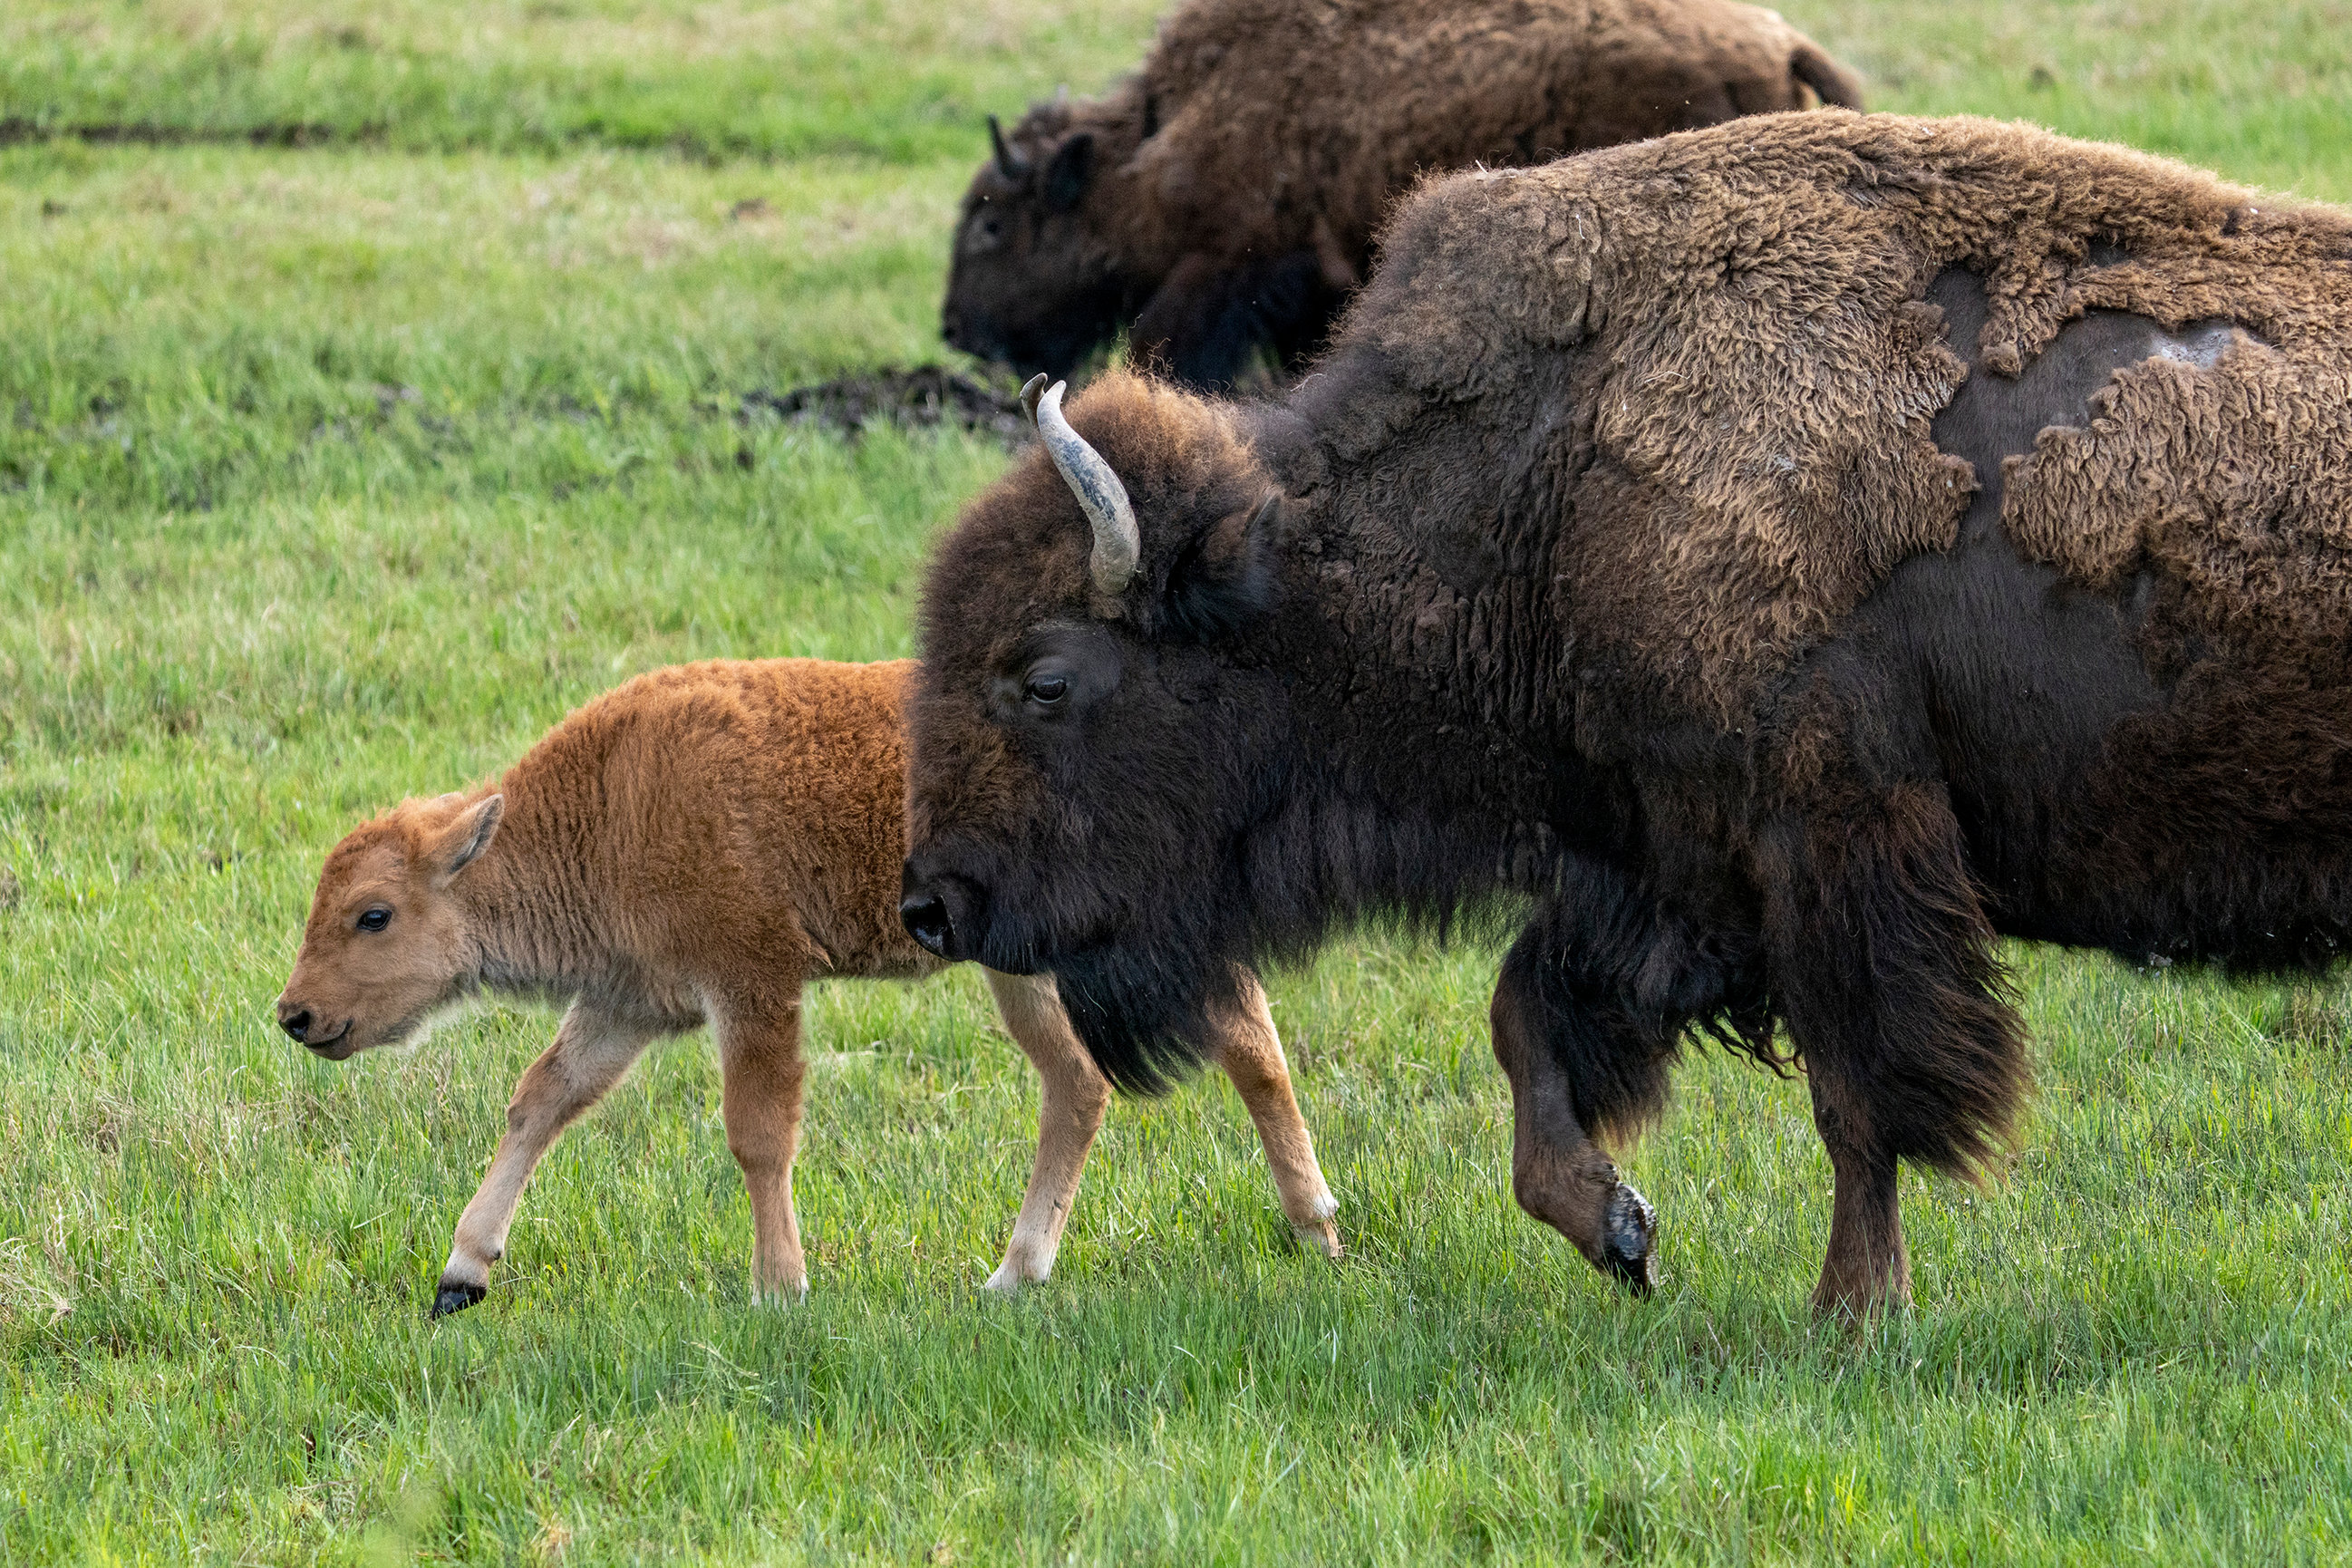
pixel 1092 741
pixel 1032 282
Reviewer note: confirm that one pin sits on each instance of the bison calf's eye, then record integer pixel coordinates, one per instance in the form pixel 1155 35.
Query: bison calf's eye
pixel 1048 689
pixel 375 918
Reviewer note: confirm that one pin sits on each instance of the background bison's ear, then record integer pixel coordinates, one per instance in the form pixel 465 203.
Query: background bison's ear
pixel 1066 176
pixel 1225 576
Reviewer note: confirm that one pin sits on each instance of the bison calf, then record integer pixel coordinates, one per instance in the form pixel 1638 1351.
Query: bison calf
pixel 695 847
pixel 1223 199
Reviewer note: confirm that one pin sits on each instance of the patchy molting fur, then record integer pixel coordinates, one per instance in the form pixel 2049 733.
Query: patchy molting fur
pixel 1757 366
pixel 1228 194
pixel 695 846
pixel 1625 567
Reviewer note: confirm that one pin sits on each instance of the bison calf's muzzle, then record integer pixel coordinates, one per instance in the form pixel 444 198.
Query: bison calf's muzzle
pixel 303 1028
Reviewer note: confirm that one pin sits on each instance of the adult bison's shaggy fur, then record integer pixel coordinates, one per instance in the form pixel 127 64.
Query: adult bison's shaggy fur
pixel 1224 198
pixel 1787 554
pixel 695 847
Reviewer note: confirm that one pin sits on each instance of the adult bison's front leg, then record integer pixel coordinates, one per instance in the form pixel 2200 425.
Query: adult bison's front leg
pixel 1205 324
pixel 1562 1053
pixel 1883 966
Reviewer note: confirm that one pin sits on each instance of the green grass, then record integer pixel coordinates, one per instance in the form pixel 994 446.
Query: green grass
pixel 335 473
pixel 895 81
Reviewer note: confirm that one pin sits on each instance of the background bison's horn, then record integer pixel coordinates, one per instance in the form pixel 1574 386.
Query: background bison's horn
pixel 1030 391
pixel 1117 542
pixel 1008 163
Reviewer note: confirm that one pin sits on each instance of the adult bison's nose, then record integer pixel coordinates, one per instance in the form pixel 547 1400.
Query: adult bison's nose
pixel 295 1020
pixel 940 911
pixel 925 916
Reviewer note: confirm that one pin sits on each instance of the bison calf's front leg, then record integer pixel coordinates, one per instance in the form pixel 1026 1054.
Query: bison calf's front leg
pixel 592 1051
pixel 1557 1173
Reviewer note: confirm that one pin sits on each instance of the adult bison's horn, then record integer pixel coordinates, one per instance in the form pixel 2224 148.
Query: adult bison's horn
pixel 1011 165
pixel 1117 542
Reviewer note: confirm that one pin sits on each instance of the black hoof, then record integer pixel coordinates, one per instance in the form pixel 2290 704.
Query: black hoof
pixel 456 1298
pixel 1629 1230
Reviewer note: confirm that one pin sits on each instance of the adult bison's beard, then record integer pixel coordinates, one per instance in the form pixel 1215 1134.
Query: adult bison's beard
pixel 1147 1011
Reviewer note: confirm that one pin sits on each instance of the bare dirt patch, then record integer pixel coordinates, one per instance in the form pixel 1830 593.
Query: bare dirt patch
pixel 924 398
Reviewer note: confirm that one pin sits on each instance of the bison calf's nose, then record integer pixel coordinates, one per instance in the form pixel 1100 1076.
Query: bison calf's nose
pixel 295 1021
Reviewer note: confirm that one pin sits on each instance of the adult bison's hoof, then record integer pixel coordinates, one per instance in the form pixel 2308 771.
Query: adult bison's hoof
pixel 1628 1232
pixel 456 1298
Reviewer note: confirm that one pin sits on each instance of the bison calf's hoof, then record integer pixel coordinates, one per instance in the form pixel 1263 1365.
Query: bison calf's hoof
pixel 1629 1231
pixel 456 1298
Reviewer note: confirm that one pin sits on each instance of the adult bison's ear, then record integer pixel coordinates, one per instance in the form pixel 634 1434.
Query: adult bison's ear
pixel 1065 177
pixel 1225 578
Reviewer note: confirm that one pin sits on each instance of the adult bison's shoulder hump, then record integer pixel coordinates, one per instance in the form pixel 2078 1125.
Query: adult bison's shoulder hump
pixel 1756 362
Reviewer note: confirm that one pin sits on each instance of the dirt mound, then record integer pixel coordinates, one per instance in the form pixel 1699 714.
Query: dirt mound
pixel 923 398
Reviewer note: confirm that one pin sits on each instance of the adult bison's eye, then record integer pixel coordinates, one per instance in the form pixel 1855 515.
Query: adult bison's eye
pixel 1063 674
pixel 375 918
pixel 985 232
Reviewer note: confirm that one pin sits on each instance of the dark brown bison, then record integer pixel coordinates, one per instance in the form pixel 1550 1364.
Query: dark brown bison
pixel 1223 199
pixel 1776 558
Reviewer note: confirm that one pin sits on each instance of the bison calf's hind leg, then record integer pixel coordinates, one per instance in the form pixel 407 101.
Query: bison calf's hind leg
pixel 1557 1173
pixel 1250 1052
pixel 1883 968
pixel 592 1051
pixel 761 1071
pixel 1076 1094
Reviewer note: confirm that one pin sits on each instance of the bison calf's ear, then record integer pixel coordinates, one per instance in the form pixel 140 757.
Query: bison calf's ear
pixel 1225 578
pixel 466 835
pixel 1066 176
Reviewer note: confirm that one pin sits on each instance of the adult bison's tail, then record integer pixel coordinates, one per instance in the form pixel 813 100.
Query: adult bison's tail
pixel 1831 83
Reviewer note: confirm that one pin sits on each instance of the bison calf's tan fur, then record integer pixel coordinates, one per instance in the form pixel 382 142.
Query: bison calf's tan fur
pixel 695 847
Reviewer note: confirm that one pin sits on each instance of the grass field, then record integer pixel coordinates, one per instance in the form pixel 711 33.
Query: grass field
pixel 368 392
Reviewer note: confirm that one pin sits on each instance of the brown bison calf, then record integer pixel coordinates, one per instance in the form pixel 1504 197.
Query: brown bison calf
pixel 695 847
pixel 1224 197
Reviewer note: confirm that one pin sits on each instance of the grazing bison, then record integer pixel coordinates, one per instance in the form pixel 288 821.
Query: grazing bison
pixel 1224 198
pixel 695 846
pixel 1784 556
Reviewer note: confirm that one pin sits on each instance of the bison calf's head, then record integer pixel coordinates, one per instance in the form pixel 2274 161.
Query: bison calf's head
pixel 1031 283
pixel 389 942
pixel 1090 745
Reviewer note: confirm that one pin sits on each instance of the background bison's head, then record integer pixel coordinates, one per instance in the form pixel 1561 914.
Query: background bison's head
pixel 1033 283
pixel 1088 753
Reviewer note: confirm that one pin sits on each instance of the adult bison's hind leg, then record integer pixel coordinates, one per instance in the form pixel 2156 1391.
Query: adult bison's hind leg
pixel 1883 967
pixel 1574 1063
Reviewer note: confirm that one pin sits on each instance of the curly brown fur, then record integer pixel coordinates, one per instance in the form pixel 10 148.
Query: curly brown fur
pixel 1227 196
pixel 1777 559
pixel 1758 366
pixel 695 846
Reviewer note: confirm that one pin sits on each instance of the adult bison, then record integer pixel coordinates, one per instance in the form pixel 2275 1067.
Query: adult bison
pixel 1224 198
pixel 1787 554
